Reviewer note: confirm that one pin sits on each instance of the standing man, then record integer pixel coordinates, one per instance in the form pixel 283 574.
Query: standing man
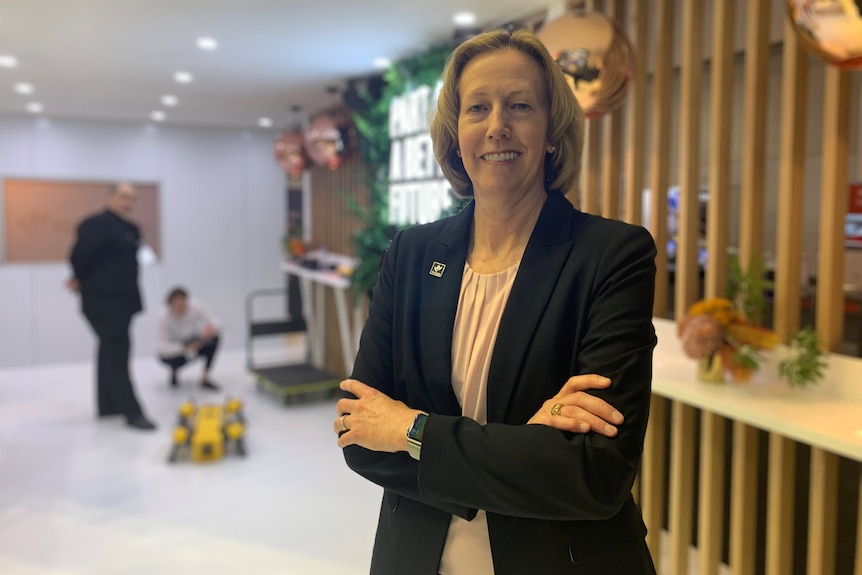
pixel 105 267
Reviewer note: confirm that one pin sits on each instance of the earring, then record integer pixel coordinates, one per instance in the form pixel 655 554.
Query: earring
pixel 552 150
pixel 458 153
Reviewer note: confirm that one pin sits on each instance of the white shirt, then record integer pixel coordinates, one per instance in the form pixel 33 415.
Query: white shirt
pixel 175 330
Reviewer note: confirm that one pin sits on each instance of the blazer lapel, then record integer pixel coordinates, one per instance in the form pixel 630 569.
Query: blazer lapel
pixel 442 271
pixel 543 260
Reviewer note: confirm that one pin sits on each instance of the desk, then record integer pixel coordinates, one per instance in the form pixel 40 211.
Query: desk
pixel 312 285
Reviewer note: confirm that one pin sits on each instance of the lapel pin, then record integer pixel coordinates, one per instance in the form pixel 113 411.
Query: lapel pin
pixel 437 269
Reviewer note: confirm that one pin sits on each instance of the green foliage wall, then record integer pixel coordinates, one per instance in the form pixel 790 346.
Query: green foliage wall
pixel 369 100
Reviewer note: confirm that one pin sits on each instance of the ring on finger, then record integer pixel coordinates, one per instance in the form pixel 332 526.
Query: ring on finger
pixel 341 422
pixel 556 409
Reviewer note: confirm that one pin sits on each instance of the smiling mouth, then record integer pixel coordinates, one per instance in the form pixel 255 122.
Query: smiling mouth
pixel 501 157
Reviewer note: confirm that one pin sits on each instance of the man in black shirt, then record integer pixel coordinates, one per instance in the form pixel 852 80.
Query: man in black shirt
pixel 105 267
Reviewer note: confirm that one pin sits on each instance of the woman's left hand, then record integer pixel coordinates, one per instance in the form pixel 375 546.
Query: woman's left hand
pixel 373 420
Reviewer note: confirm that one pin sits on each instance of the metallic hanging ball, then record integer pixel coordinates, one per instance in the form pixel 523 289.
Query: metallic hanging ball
pixel 290 153
pixel 596 56
pixel 330 138
pixel 829 29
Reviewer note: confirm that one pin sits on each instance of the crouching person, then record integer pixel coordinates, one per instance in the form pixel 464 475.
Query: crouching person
pixel 187 331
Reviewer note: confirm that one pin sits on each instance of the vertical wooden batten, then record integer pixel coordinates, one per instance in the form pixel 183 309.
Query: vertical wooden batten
pixel 743 496
pixel 720 121
pixel 791 175
pixel 687 272
pixel 710 524
pixel 754 132
pixel 612 140
pixel 681 486
pixel 592 161
pixel 590 201
pixel 822 511
pixel 858 569
pixel 833 208
pixel 636 116
pixel 660 145
pixel 652 476
pixel 780 505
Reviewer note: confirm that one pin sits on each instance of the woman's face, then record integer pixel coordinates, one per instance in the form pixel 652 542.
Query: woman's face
pixel 503 123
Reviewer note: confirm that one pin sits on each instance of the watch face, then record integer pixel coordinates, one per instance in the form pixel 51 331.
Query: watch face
pixel 418 427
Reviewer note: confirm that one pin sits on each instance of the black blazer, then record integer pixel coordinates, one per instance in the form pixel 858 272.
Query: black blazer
pixel 104 260
pixel 556 502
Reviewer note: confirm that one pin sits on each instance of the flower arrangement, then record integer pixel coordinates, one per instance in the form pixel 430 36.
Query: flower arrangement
pixel 724 334
pixel 716 334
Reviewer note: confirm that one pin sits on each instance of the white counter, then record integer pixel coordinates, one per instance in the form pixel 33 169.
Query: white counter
pixel 827 416
pixel 311 284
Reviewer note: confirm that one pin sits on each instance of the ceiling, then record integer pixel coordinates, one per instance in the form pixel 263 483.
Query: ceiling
pixel 114 59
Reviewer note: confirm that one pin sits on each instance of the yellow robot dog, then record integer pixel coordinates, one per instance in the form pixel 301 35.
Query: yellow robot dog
pixel 208 432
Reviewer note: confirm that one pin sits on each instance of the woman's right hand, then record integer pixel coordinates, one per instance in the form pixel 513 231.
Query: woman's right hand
pixel 572 409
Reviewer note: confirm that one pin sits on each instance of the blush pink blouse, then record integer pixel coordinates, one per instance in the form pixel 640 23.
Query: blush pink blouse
pixel 480 306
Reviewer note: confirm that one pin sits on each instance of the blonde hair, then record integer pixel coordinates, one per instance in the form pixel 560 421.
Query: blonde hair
pixel 565 117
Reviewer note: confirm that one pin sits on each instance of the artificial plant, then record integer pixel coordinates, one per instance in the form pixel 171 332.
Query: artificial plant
pixel 369 100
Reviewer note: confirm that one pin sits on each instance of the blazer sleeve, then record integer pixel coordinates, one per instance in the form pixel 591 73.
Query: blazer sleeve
pixel 395 472
pixel 539 472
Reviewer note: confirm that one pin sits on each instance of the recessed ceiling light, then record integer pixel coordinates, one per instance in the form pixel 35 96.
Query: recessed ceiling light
pixel 169 100
pixel 382 63
pixel 24 88
pixel 157 116
pixel 265 122
pixel 35 107
pixel 464 19
pixel 207 43
pixel 183 77
pixel 7 61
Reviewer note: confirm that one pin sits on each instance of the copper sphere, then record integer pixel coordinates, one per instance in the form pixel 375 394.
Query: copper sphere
pixel 829 29
pixel 290 153
pixel 596 56
pixel 329 139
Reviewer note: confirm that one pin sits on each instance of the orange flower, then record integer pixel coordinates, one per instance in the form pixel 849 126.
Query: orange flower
pixel 719 308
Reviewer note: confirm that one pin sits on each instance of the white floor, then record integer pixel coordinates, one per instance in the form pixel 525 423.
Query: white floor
pixel 85 496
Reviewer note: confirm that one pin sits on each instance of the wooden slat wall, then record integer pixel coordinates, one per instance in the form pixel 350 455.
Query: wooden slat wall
pixel 332 226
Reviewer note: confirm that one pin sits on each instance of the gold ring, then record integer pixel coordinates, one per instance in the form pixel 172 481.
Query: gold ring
pixel 554 410
pixel 341 421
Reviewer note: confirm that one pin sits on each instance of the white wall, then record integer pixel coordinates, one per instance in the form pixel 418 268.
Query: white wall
pixel 222 217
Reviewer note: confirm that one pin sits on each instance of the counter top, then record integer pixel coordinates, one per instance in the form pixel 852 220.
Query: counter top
pixel 828 415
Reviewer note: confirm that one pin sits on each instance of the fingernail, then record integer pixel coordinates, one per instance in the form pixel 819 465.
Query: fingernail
pixel 606 380
pixel 584 427
pixel 617 417
pixel 610 429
